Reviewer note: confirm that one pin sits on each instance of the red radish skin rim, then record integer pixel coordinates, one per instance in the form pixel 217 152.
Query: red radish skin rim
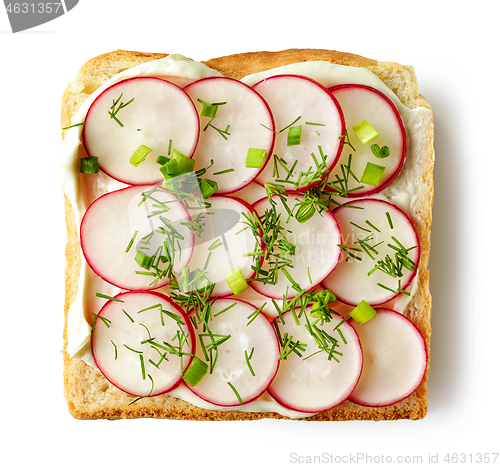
pixel 342 121
pixel 410 277
pixel 254 179
pixel 193 388
pixel 160 283
pixel 184 317
pixel 383 310
pixel 84 140
pixel 310 286
pixel 379 188
pixel 284 404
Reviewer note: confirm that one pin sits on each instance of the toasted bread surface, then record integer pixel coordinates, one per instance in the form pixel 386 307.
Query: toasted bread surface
pixel 90 396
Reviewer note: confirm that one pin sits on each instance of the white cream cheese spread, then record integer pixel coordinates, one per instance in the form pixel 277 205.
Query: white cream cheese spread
pixel 82 190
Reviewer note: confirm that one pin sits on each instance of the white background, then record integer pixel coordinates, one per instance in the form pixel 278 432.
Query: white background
pixel 454 52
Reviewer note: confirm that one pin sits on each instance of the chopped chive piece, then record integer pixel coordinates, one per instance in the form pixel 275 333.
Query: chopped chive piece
pixel 236 281
pixel 128 316
pixel 248 358
pixel 362 313
pixel 291 124
pixel 236 392
pixel 106 321
pixel 305 212
pixel 139 155
pixel 294 134
pixel 131 241
pixel 255 158
pixel 372 174
pixel 73 126
pixel 162 160
pixel 208 188
pixel 365 132
pixel 107 297
pixel 143 260
pixel 143 368
pixel 114 110
pixel 224 172
pixel 89 165
pixel 381 153
pixel 195 371
pixel 116 350
pixel 387 288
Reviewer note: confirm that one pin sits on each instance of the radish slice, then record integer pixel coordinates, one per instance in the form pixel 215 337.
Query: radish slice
pixel 161 117
pixel 223 243
pixel 371 234
pixel 245 116
pixel 247 360
pixel 122 227
pixel 316 250
pixel 395 359
pixel 142 343
pixel 362 103
pixel 311 382
pixel 297 101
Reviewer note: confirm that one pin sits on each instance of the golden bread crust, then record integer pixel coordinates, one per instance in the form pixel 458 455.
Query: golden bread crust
pixel 90 396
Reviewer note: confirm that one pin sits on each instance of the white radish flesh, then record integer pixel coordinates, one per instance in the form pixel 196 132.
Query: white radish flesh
pixel 161 117
pixel 142 343
pixel 120 224
pixel 311 382
pixel 248 360
pixel 361 103
pixel 322 122
pixel 356 279
pixel 316 249
pixel 240 124
pixel 395 359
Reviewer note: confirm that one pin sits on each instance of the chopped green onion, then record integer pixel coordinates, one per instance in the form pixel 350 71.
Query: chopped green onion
pixel 365 132
pixel 235 392
pixel 195 372
pixel 372 174
pixel 139 155
pixel 236 281
pixel 389 220
pixel 107 297
pixel 186 164
pixel 255 158
pixel 362 313
pixel 208 188
pixel 143 260
pixel 294 134
pixel 381 153
pixel 89 165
